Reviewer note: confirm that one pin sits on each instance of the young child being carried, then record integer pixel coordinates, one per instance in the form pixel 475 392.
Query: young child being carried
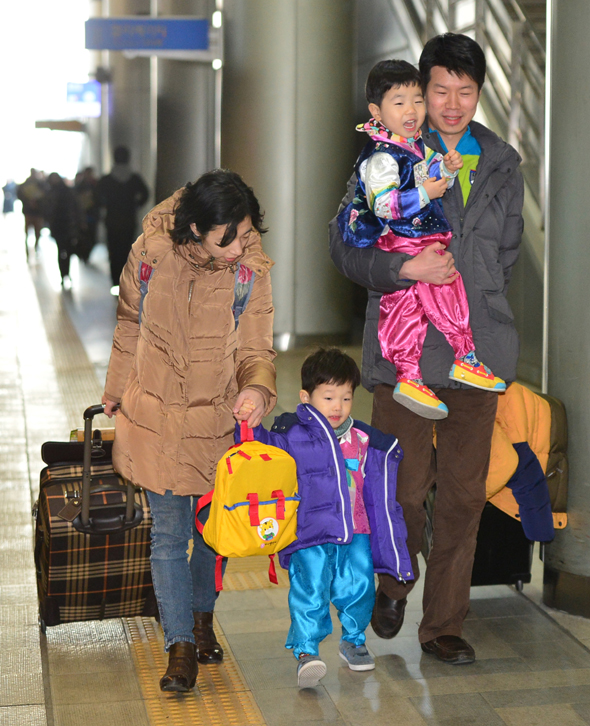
pixel 349 524
pixel 397 208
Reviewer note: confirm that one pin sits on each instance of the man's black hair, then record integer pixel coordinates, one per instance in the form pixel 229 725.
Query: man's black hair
pixel 388 74
pixel 121 155
pixel 329 365
pixel 216 198
pixel 459 54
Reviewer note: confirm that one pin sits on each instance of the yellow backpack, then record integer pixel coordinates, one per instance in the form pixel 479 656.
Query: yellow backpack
pixel 254 502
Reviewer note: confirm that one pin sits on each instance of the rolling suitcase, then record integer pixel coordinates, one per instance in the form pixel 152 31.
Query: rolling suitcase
pixel 92 535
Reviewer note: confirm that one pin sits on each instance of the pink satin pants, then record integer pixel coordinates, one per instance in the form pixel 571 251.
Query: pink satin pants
pixel 404 315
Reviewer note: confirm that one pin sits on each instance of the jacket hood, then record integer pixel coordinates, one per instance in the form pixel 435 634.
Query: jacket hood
pixel 159 222
pixel 377 439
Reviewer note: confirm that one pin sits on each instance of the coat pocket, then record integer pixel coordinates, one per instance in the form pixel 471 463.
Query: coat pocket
pixel 498 307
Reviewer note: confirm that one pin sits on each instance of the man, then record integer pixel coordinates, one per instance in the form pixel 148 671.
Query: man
pixel 122 193
pixel 484 210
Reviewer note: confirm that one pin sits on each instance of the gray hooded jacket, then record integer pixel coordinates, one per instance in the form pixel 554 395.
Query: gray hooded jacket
pixel 485 243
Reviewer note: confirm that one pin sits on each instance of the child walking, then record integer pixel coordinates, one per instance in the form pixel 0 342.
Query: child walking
pixel 349 524
pixel 397 208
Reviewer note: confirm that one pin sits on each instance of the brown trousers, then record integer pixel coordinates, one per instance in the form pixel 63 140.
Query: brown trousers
pixel 459 467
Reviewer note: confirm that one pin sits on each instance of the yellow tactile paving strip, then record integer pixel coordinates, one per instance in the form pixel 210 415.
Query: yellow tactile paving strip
pixel 251 573
pixel 221 695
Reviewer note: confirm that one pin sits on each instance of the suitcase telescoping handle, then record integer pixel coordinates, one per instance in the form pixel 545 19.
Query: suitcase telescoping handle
pixel 130 514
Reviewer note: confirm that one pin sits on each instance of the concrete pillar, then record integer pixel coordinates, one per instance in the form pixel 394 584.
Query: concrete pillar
pixel 129 102
pixel 567 559
pixel 287 128
pixel 186 93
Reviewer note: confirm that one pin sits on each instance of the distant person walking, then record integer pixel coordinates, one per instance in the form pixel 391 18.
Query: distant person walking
pixel 32 193
pixel 121 193
pixel 85 189
pixel 10 191
pixel 65 221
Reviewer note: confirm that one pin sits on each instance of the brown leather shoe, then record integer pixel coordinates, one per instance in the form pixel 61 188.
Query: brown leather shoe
pixel 450 649
pixel 208 649
pixel 388 615
pixel 181 674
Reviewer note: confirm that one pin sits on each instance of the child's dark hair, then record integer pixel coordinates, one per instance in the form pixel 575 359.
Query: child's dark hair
pixel 387 74
pixel 218 197
pixel 458 53
pixel 329 365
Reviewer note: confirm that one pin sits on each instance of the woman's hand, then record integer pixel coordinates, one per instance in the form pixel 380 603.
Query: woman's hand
pixel 249 406
pixel 110 407
pixel 434 265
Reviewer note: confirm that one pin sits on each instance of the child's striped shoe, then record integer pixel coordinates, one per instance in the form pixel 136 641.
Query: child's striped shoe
pixel 470 371
pixel 413 394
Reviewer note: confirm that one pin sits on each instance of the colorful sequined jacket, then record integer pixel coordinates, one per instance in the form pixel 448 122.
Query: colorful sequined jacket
pixel 389 193
pixel 324 514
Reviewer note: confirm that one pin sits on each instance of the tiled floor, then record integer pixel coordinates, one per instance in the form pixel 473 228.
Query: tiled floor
pixel 532 668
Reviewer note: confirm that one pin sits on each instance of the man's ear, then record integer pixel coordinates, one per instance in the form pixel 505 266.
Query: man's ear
pixel 304 396
pixel 375 111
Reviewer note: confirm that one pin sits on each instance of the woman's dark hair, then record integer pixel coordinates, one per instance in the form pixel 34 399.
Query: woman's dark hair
pixel 216 198
pixel 329 365
pixel 459 54
pixel 387 74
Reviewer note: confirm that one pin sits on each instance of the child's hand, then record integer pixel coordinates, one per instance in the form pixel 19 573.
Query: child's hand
pixel 250 406
pixel 453 161
pixel 246 408
pixel 435 188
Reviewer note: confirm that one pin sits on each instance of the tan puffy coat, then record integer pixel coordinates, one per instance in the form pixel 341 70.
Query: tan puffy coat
pixel 178 374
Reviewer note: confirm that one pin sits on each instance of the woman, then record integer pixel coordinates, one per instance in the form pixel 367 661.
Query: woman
pixel 193 342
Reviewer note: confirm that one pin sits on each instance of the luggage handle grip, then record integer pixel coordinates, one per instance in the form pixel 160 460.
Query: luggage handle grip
pixel 130 508
pixel 89 414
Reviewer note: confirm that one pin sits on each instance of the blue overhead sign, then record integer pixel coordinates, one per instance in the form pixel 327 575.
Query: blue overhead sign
pixel 143 33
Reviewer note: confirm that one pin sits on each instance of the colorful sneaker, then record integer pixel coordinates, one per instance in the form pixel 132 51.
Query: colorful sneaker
pixel 413 394
pixel 357 656
pixel 310 670
pixel 472 372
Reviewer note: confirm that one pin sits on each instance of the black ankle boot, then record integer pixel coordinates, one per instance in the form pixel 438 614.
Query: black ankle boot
pixel 207 648
pixel 181 674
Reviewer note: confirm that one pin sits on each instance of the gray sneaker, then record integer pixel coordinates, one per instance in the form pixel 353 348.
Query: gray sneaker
pixel 310 670
pixel 357 656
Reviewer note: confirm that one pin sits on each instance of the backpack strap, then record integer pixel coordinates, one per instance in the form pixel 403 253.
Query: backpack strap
pixel 202 502
pixel 253 509
pixel 280 497
pixel 272 570
pixel 244 282
pixel 219 573
pixel 246 433
pixel 145 274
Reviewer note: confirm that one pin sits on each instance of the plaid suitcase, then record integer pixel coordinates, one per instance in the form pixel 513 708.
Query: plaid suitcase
pixel 92 535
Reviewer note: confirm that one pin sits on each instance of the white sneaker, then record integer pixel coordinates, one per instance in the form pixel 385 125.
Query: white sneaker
pixel 310 670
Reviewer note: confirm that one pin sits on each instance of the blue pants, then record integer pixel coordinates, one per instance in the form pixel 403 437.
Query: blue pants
pixel 181 587
pixel 341 574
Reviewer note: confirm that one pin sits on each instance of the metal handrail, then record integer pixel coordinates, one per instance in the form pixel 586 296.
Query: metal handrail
pixel 514 92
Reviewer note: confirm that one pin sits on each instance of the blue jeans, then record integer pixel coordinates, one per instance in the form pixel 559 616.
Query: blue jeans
pixel 181 586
